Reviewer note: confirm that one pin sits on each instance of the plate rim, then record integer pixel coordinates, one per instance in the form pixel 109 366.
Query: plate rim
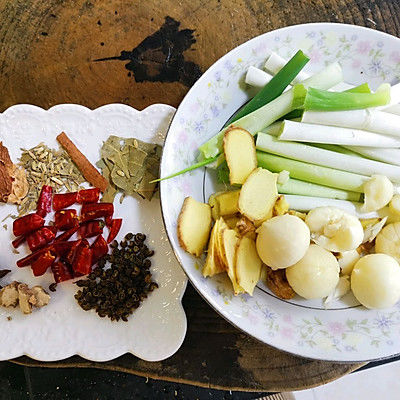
pixel 167 136
pixel 179 340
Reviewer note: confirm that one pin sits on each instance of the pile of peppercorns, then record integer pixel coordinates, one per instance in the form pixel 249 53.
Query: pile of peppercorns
pixel 115 292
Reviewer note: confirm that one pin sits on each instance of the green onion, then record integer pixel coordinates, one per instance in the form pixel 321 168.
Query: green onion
pixel 363 88
pixel 266 115
pixel 275 86
pixel 323 100
pixel 188 169
pixel 326 158
pixel 294 186
pixel 312 173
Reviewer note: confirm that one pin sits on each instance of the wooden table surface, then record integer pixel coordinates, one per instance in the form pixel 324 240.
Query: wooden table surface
pixel 143 52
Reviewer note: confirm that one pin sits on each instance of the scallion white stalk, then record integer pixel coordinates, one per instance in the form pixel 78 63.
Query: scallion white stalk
pixel 392 109
pixel 275 62
pixel 390 156
pixel 313 133
pixel 367 119
pixel 318 156
pixel 257 77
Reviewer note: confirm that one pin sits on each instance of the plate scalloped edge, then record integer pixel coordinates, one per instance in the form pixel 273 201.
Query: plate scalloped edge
pixel 157 329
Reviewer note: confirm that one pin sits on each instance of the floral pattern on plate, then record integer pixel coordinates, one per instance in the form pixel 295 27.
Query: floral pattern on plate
pixel 345 332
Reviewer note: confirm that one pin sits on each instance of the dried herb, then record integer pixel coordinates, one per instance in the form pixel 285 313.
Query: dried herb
pixel 13 182
pixel 129 165
pixel 115 292
pixel 45 166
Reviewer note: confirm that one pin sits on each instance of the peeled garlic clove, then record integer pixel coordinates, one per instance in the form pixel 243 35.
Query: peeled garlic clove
pixel 388 241
pixel 378 191
pixel 375 281
pixel 334 229
pixel 372 231
pixel 316 275
pixel 282 241
pixel 394 204
pixel 283 177
pixel 347 261
pixel 342 288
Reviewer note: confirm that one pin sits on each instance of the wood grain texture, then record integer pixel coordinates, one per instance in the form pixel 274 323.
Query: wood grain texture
pixel 47 56
pixel 48 47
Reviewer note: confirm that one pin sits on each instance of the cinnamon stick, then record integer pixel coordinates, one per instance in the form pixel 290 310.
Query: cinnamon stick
pixel 91 174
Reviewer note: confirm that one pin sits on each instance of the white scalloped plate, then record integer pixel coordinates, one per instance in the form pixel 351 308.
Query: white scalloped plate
pixel 345 332
pixel 157 329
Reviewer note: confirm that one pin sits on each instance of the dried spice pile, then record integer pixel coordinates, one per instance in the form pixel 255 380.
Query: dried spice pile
pixel 129 165
pixel 115 292
pixel 45 166
pixel 13 183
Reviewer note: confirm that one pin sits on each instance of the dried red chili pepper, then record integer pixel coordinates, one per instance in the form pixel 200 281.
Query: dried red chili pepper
pixel 108 221
pixel 40 266
pixel 64 200
pixel 82 264
pixel 44 202
pixel 61 272
pixel 65 219
pixel 62 248
pixel 30 258
pixel 67 234
pixel 81 243
pixel 97 210
pixel 40 238
pixel 18 241
pixel 114 229
pixel 99 249
pixel 27 223
pixel 21 239
pixel 91 228
pixel 88 196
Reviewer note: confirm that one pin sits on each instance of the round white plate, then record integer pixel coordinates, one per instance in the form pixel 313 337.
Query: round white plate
pixel 157 328
pixel 346 331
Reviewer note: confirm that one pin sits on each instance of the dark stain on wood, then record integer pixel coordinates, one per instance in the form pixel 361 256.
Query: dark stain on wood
pixel 159 57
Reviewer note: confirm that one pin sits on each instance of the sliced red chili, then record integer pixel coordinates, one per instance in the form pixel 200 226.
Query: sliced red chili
pixel 67 234
pixel 27 223
pixel 99 249
pixel 40 238
pixel 108 221
pixel 18 241
pixel 97 210
pixel 61 272
pixel 40 266
pixel 91 228
pixel 88 196
pixel 30 258
pixel 77 245
pixel 21 239
pixel 114 229
pixel 65 219
pixel 62 248
pixel 64 200
pixel 82 264
pixel 44 202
